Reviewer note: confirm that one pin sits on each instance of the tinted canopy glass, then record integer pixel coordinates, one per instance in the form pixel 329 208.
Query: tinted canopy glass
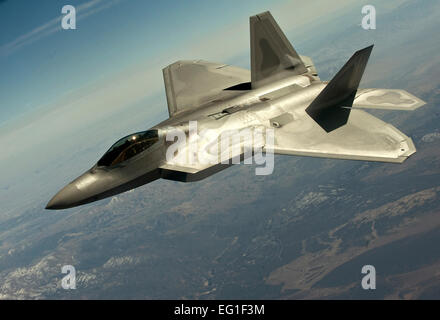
pixel 128 147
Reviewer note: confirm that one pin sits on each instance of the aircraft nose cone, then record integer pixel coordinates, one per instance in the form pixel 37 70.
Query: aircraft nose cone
pixel 65 198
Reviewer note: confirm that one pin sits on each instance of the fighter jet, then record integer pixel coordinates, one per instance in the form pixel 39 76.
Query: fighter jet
pixel 282 92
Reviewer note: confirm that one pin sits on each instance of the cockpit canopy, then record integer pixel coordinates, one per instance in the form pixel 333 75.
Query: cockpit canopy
pixel 128 147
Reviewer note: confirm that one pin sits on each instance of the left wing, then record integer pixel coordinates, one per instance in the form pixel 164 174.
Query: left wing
pixel 189 84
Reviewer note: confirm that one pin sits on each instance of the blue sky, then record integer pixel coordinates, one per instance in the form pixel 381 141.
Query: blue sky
pixel 113 36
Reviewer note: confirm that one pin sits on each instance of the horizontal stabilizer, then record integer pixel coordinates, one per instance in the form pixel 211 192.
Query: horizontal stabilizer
pixel 332 106
pixel 386 99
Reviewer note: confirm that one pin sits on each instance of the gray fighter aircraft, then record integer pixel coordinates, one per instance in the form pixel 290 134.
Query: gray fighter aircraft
pixel 309 117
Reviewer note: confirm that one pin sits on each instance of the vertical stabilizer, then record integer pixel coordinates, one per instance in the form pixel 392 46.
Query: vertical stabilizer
pixel 272 55
pixel 332 106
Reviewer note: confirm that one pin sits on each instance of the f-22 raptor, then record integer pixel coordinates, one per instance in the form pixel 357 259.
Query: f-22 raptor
pixel 282 92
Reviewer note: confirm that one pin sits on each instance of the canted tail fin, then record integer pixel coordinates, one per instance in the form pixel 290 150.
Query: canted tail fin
pixel 272 55
pixel 332 106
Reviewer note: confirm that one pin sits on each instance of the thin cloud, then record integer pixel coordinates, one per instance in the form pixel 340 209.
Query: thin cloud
pixel 82 11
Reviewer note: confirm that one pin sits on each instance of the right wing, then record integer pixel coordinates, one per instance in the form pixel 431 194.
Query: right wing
pixel 363 137
pixel 388 99
pixel 189 84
